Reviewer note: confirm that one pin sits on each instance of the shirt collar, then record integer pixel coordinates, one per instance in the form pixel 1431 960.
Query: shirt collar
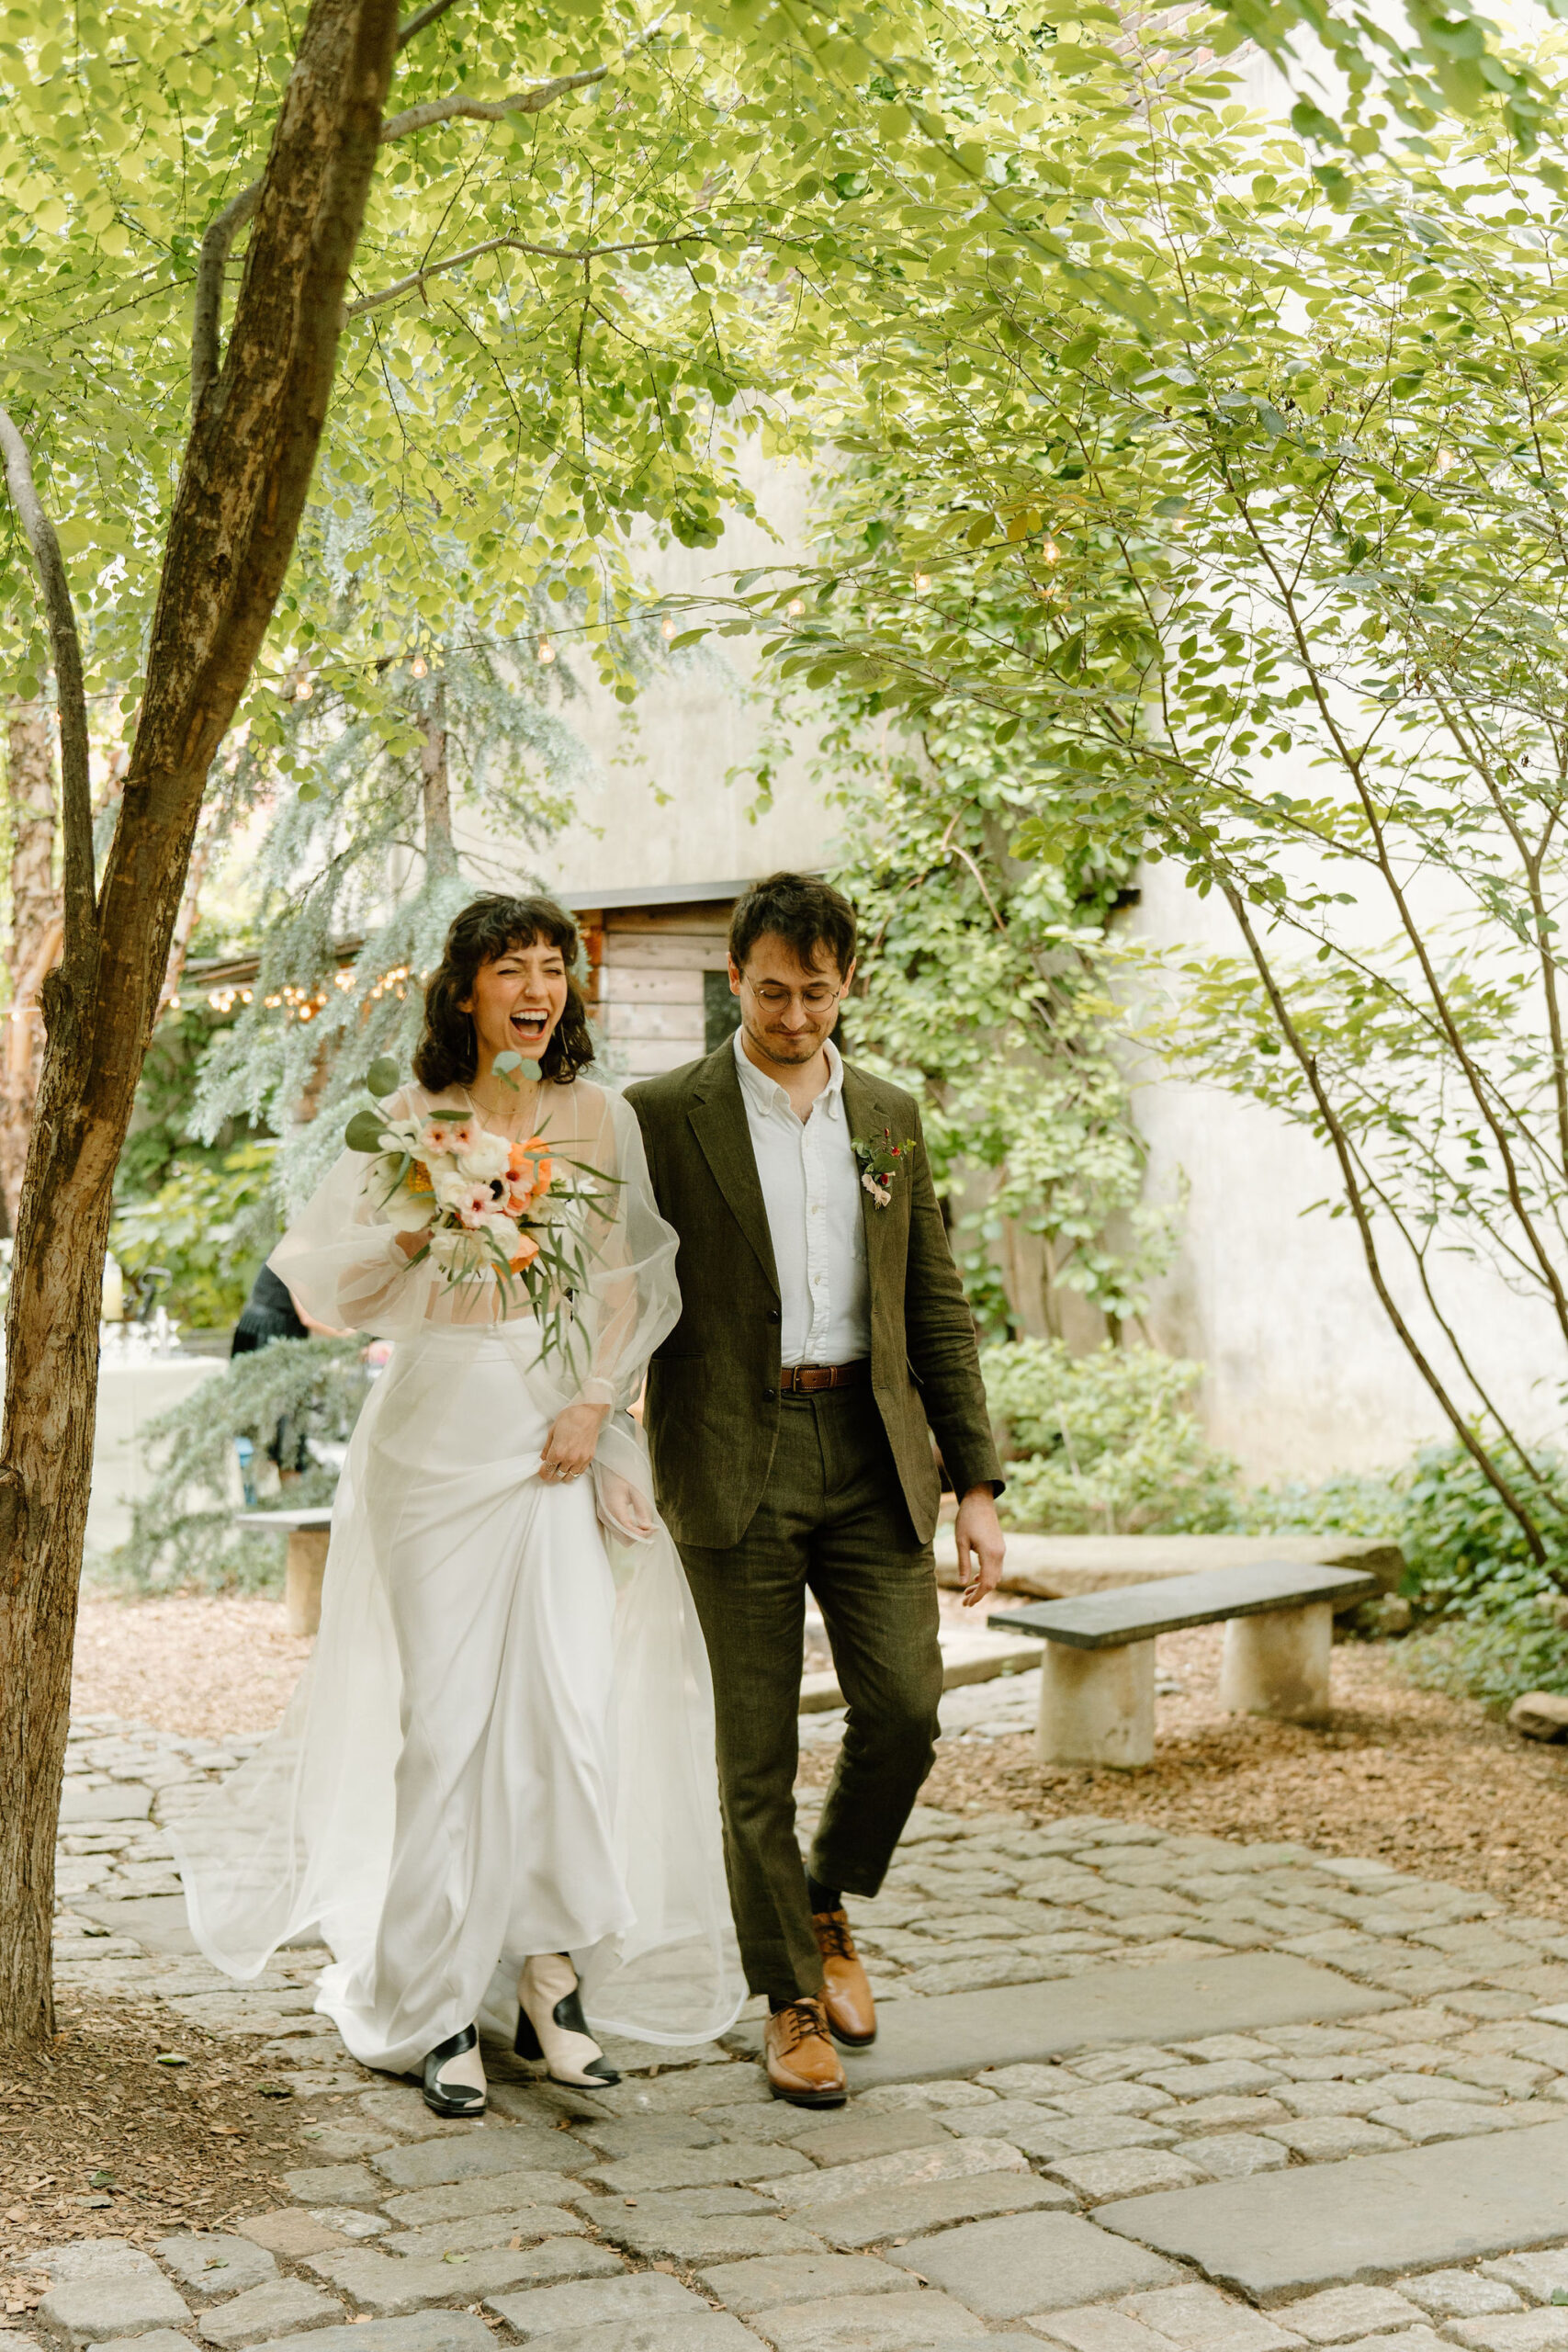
pixel 769 1095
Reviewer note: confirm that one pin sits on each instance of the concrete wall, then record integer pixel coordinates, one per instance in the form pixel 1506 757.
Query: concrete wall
pixel 1305 1373
pixel 664 813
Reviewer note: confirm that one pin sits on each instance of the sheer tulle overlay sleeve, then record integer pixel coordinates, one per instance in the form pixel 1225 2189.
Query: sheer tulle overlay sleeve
pixel 629 1301
pixel 342 1259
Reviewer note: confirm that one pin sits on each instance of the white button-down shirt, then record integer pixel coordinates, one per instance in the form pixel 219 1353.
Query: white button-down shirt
pixel 811 1190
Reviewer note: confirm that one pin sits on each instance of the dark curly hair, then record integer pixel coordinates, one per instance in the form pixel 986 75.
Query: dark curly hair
pixel 488 929
pixel 803 910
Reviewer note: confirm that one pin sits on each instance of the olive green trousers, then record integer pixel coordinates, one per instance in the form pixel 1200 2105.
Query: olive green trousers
pixel 832 1520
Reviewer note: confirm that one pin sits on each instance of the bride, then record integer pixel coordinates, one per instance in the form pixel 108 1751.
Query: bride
pixel 492 1794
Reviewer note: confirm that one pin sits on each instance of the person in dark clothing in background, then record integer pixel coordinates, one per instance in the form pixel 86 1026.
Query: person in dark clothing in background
pixel 270 1314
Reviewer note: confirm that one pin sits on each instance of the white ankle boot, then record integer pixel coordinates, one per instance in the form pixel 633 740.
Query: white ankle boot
pixel 551 2026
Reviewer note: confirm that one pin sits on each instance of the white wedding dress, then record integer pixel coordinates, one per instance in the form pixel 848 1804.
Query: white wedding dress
pixel 503 1743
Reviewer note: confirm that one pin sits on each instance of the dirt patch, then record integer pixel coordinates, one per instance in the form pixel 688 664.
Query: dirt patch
pixel 98 2139
pixel 1427 1784
pixel 189 1663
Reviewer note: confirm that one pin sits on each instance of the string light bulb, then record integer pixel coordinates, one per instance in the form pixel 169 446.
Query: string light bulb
pixel 418 666
pixel 922 581
pixel 795 607
pixel 546 650
pixel 1051 551
pixel 666 628
pixel 303 691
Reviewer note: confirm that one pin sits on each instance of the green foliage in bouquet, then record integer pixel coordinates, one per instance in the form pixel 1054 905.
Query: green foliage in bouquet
pixel 1104 1445
pixel 182 1533
pixel 209 1228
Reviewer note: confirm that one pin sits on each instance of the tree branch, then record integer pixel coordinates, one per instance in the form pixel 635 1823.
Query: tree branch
pixel 76 799
pixel 412 284
pixel 225 226
pixel 533 101
pixel 221 231
pixel 1307 1063
pixel 421 17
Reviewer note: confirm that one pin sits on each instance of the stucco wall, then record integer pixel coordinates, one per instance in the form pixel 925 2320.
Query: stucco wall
pixel 663 812
pixel 1305 1375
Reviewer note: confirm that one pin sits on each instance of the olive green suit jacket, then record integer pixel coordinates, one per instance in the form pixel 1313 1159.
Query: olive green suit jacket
pixel 712 1415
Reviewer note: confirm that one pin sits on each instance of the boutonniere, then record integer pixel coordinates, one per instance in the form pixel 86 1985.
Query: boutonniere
pixel 881 1164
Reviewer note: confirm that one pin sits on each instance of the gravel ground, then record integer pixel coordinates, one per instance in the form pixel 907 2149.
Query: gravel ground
pixel 187 1664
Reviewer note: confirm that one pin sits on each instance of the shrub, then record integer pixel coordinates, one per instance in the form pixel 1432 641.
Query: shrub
pixel 1105 1444
pixel 183 1532
pixel 208 1229
pixel 1497 1624
pixel 1350 1502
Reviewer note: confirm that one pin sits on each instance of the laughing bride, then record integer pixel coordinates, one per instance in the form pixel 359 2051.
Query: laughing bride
pixel 492 1794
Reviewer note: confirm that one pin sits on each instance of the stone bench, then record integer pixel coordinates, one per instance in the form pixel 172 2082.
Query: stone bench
pixel 1060 1567
pixel 308 1532
pixel 1097 1694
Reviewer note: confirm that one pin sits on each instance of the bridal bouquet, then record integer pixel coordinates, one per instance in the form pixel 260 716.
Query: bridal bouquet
pixel 518 1211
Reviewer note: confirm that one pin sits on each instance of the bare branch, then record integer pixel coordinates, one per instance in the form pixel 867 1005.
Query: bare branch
pixel 421 17
pixel 531 101
pixel 413 283
pixel 81 916
pixel 221 231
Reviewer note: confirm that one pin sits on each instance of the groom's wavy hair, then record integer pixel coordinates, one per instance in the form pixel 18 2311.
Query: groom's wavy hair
pixel 489 928
pixel 803 910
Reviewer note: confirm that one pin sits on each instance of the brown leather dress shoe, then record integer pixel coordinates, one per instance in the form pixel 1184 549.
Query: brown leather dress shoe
pixel 846 1994
pixel 803 2065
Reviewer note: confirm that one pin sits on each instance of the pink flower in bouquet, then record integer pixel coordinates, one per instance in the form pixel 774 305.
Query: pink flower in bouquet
pixel 475 1205
pixel 442 1137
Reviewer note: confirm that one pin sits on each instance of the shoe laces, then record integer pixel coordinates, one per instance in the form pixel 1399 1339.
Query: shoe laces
pixel 798 2023
pixel 833 1939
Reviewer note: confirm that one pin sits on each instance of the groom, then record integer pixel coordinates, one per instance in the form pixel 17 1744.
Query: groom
pixel 824 1341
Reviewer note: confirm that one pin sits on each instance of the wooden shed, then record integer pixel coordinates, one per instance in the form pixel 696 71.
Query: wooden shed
pixel 659 985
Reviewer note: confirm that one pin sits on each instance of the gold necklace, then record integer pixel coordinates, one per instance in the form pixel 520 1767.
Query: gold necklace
pixel 508 1120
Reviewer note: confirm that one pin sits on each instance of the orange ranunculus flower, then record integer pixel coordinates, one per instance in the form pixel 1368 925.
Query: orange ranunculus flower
pixel 528 1166
pixel 527 1251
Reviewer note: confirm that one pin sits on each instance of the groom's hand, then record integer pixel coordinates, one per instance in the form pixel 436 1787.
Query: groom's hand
pixel 978 1534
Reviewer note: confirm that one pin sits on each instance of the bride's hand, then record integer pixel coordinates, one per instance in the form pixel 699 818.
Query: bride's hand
pixel 623 1507
pixel 569 1449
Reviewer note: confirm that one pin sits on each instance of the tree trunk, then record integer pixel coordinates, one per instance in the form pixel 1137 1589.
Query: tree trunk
pixel 36 934
pixel 247 468
pixel 436 786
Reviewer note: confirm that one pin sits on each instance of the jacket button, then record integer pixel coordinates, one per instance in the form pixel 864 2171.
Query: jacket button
pixel 773 1314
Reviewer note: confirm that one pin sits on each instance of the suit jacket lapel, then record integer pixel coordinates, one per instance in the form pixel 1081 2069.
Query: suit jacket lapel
pixel 884 1230
pixel 718 1122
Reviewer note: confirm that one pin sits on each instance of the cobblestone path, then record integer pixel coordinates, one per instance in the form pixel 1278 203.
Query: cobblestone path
pixel 1134 2092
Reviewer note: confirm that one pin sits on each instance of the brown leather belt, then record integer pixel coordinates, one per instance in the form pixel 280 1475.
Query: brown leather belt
pixel 806 1379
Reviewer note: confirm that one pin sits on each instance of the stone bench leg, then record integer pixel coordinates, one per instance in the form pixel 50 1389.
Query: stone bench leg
pixel 302 1573
pixel 1097 1706
pixel 1277 1664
